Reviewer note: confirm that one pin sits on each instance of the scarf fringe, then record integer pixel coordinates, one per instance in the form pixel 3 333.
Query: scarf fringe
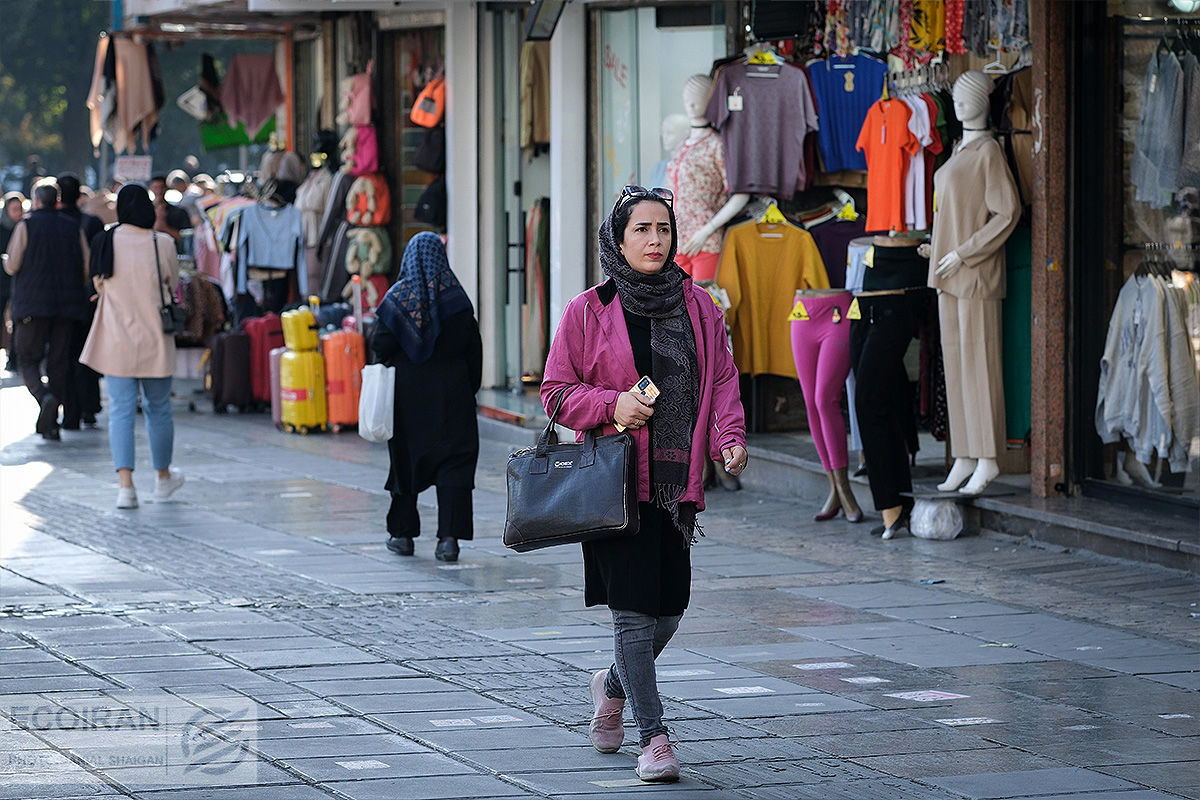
pixel 666 496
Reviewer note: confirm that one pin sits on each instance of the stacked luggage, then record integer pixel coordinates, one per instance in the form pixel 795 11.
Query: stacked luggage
pixel 302 375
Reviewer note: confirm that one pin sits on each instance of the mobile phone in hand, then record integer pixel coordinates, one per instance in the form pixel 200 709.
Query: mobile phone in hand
pixel 646 388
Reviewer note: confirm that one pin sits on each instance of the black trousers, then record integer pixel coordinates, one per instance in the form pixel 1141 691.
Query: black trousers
pixel 883 395
pixel 83 390
pixel 455 514
pixel 48 338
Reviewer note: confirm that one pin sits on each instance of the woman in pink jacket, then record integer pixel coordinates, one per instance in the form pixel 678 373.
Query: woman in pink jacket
pixel 647 319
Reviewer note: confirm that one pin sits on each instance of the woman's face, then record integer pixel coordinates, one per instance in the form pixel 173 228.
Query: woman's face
pixel 14 210
pixel 647 237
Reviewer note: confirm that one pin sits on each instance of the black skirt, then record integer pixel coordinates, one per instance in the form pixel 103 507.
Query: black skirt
pixel 649 572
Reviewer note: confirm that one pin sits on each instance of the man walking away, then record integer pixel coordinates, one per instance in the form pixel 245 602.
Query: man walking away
pixel 82 402
pixel 47 257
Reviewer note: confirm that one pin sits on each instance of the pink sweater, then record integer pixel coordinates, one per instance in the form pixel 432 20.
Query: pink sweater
pixel 591 352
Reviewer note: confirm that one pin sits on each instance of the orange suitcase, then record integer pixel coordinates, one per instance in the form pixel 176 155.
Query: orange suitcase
pixel 345 357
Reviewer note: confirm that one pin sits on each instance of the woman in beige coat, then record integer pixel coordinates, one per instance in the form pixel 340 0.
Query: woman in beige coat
pixel 135 271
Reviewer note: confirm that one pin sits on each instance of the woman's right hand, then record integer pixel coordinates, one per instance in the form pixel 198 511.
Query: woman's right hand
pixel 633 410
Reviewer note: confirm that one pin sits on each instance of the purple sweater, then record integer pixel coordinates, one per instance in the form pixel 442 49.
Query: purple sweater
pixel 591 352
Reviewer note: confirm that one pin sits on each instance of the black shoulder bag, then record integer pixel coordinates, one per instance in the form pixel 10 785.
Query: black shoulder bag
pixel 567 493
pixel 174 318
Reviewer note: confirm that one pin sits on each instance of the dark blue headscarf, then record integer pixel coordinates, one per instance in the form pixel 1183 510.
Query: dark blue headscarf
pixel 425 293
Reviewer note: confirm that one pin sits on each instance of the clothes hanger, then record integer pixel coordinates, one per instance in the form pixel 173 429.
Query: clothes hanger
pixel 996 66
pixel 772 217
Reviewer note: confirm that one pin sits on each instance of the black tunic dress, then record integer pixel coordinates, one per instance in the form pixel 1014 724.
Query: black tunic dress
pixel 436 436
pixel 650 572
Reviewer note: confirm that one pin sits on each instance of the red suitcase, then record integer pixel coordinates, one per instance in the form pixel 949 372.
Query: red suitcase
pixel 266 333
pixel 345 357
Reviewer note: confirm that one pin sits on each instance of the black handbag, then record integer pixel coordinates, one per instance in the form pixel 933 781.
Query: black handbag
pixel 431 154
pixel 568 493
pixel 174 318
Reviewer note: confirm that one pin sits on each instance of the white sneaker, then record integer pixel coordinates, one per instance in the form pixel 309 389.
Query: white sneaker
pixel 165 487
pixel 127 498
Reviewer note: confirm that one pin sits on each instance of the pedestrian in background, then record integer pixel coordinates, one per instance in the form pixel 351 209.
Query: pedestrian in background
pixel 427 331
pixel 82 403
pixel 126 343
pixel 14 212
pixel 47 257
pixel 647 319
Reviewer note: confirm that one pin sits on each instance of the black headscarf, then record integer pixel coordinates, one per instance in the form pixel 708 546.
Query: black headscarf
pixel 134 207
pixel 673 361
pixel 426 293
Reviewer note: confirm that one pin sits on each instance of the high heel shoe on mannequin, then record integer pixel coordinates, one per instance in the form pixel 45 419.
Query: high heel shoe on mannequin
pixel 900 526
pixel 833 503
pixel 850 507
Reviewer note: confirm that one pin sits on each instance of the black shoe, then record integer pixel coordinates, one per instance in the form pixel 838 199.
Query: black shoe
pixel 447 550
pixel 48 416
pixel 52 435
pixel 878 530
pixel 862 470
pixel 70 426
pixel 400 545
pixel 89 420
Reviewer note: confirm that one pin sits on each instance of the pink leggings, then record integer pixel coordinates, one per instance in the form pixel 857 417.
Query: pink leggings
pixel 821 349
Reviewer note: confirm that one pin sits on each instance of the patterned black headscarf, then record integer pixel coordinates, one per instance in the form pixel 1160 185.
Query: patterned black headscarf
pixel 426 293
pixel 673 362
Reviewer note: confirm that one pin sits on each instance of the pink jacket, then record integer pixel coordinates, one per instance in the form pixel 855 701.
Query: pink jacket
pixel 591 352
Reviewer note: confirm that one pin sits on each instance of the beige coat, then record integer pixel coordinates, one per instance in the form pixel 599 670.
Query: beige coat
pixel 977 208
pixel 126 339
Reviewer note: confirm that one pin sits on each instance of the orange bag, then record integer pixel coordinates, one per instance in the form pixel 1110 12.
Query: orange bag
pixel 430 105
pixel 369 201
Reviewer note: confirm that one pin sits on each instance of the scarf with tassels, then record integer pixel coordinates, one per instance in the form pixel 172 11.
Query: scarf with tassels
pixel 673 362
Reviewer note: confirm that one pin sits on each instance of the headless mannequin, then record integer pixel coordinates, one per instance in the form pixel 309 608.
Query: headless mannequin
pixel 695 98
pixel 971 105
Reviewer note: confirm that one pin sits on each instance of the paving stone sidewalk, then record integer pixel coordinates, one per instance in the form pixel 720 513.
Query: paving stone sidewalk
pixel 253 638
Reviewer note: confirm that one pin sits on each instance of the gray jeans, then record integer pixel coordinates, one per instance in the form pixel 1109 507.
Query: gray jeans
pixel 637 641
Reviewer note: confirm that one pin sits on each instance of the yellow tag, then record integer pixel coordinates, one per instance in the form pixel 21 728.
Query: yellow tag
pixel 854 313
pixel 848 213
pixel 935 201
pixel 773 216
pixel 798 311
pixel 869 258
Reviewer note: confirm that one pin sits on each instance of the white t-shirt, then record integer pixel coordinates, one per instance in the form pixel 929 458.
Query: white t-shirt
pixel 914 183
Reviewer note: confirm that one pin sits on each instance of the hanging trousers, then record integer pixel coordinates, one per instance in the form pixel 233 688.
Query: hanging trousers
pixel 821 350
pixel 883 396
pixel 972 351
pixel 455 518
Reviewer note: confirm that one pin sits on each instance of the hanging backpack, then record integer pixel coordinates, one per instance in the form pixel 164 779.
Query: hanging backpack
pixel 360 150
pixel 369 201
pixel 431 205
pixel 368 252
pixel 431 154
pixel 430 105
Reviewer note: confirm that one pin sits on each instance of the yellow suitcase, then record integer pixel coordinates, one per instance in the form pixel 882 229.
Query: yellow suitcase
pixel 300 329
pixel 302 391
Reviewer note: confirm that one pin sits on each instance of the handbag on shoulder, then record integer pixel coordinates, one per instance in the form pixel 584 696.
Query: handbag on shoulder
pixel 174 318
pixel 568 493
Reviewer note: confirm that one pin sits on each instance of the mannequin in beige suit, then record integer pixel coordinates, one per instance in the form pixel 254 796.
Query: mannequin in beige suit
pixel 977 207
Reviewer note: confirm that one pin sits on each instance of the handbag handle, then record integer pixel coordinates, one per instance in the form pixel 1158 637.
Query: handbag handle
pixel 587 458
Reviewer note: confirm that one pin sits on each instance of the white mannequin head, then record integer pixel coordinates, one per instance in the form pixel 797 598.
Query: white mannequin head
pixel 971 92
pixel 695 95
pixel 675 128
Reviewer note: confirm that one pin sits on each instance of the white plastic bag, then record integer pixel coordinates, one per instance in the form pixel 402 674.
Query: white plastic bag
pixel 936 519
pixel 377 402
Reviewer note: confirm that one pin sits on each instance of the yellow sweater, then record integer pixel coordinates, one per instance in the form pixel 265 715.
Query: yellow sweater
pixel 762 266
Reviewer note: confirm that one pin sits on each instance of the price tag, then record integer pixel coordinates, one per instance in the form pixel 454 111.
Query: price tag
pixel 734 100
pixel 799 312
pixel 854 313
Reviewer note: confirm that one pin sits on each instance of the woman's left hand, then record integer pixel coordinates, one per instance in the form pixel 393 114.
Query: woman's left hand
pixel 735 459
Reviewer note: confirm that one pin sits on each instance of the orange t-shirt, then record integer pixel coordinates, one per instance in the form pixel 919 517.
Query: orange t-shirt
pixel 888 145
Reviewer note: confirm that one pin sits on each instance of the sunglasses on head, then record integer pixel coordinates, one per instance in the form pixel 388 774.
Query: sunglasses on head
pixel 637 192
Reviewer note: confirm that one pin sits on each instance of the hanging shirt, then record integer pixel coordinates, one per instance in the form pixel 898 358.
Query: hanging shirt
pixel 933 153
pixel 845 88
pixel 763 122
pixel 762 266
pixel 696 174
pixel 251 91
pixel 1158 148
pixel 535 94
pixel 927 34
pixel 889 146
pixel 914 179
pixel 1189 162
pixel 273 239
pixel 310 199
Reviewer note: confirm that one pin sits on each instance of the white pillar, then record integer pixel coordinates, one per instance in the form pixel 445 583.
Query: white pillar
pixel 462 145
pixel 490 309
pixel 568 160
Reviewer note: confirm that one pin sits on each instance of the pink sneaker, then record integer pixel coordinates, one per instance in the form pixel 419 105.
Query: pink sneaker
pixel 657 763
pixel 607 732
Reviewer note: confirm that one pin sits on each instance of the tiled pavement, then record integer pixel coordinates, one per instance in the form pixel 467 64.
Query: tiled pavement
pixel 254 639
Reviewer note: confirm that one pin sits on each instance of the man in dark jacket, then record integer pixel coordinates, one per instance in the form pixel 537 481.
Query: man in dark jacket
pixel 47 257
pixel 82 402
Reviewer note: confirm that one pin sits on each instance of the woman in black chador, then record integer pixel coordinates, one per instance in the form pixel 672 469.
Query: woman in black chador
pixel 427 331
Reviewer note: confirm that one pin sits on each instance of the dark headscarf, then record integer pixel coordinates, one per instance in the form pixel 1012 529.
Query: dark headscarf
pixel 425 293
pixel 134 207
pixel 673 360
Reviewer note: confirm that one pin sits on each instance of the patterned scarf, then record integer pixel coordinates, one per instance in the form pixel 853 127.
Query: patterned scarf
pixel 425 293
pixel 673 362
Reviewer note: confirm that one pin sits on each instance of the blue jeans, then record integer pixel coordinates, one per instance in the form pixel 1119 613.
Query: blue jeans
pixel 637 641
pixel 160 420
